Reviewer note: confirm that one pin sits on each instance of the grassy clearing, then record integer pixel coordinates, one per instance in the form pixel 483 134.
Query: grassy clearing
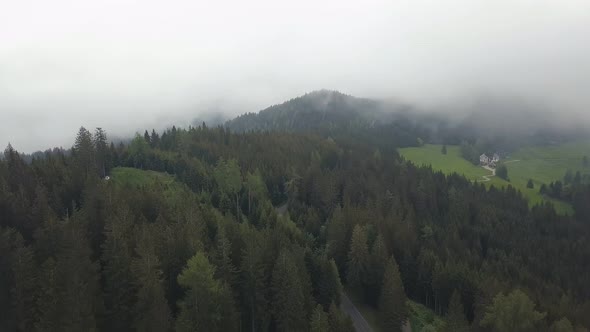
pixel 541 164
pixel 176 193
pixel 421 316
pixel 126 176
pixel 452 162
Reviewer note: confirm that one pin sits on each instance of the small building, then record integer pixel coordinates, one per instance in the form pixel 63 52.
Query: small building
pixel 484 159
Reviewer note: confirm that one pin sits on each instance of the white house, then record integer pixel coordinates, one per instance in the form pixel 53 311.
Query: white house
pixel 484 159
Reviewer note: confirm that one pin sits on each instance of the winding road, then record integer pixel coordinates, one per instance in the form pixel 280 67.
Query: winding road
pixel 487 178
pixel 359 322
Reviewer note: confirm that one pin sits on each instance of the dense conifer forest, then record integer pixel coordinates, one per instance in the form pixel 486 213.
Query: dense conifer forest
pixel 263 230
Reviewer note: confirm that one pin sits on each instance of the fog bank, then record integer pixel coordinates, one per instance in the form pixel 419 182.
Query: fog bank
pixel 129 65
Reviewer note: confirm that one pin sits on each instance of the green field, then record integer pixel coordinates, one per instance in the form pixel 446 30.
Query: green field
pixel 127 176
pixel 541 164
pixel 422 317
pixel 546 164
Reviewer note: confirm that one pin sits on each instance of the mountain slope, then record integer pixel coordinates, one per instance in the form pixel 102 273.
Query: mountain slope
pixel 315 110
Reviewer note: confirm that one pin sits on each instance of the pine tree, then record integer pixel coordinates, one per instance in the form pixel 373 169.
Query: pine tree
pixel 154 139
pixel 23 290
pixel 80 276
pixel 513 312
pixel 48 299
pixel 229 179
pixel 319 320
pixel 256 188
pixel 17 282
pixel 392 302
pixel 337 239
pixel 502 172
pixel 41 211
pixel 254 287
pixel 288 298
pixel 562 325
pixel 530 184
pixel 138 149
pixel 326 281
pixel 84 152
pixel 358 256
pixel 338 321
pixel 577 178
pixel 151 310
pixel 225 270
pixel 378 260
pixel 207 305
pixel 69 298
pixel 456 320
pixel 119 282
pixel 568 177
pixel 103 158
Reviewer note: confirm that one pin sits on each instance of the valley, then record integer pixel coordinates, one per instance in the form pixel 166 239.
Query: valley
pixel 540 164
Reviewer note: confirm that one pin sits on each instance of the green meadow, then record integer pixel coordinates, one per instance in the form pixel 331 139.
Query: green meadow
pixel 172 189
pixel 540 164
pixel 126 176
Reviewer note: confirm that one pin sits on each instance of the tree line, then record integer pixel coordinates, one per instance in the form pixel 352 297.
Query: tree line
pixel 212 253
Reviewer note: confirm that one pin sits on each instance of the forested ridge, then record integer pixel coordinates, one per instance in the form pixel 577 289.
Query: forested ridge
pixel 209 252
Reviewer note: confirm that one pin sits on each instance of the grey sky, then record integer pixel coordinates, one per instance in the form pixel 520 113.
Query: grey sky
pixel 126 65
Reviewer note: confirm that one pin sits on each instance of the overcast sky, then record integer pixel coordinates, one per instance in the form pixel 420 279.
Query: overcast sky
pixel 126 65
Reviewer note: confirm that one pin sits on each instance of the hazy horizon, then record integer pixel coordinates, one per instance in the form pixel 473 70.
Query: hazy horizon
pixel 132 65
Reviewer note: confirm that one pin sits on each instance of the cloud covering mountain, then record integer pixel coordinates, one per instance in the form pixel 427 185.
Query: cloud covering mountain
pixel 126 65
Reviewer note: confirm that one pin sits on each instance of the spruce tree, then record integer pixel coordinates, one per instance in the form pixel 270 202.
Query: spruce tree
pixel 103 159
pixel 48 299
pixel 319 320
pixel 358 257
pixel 513 312
pixel 154 139
pixel 288 299
pixel 378 260
pixel 207 305
pixel 337 241
pixel 119 283
pixel 338 321
pixel 530 184
pixel 24 287
pixel 151 310
pixel 84 152
pixel 456 320
pixel 562 325
pixel 253 275
pixel 225 270
pixel 392 302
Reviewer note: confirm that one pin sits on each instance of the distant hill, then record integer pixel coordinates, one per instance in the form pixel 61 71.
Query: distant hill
pixel 318 110
pixel 502 125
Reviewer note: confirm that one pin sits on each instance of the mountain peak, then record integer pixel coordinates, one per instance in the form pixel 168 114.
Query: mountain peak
pixel 312 110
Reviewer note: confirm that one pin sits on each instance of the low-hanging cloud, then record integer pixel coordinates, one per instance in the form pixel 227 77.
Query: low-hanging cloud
pixel 127 65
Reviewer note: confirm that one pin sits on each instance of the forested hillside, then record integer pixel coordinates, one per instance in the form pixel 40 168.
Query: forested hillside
pixel 185 235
